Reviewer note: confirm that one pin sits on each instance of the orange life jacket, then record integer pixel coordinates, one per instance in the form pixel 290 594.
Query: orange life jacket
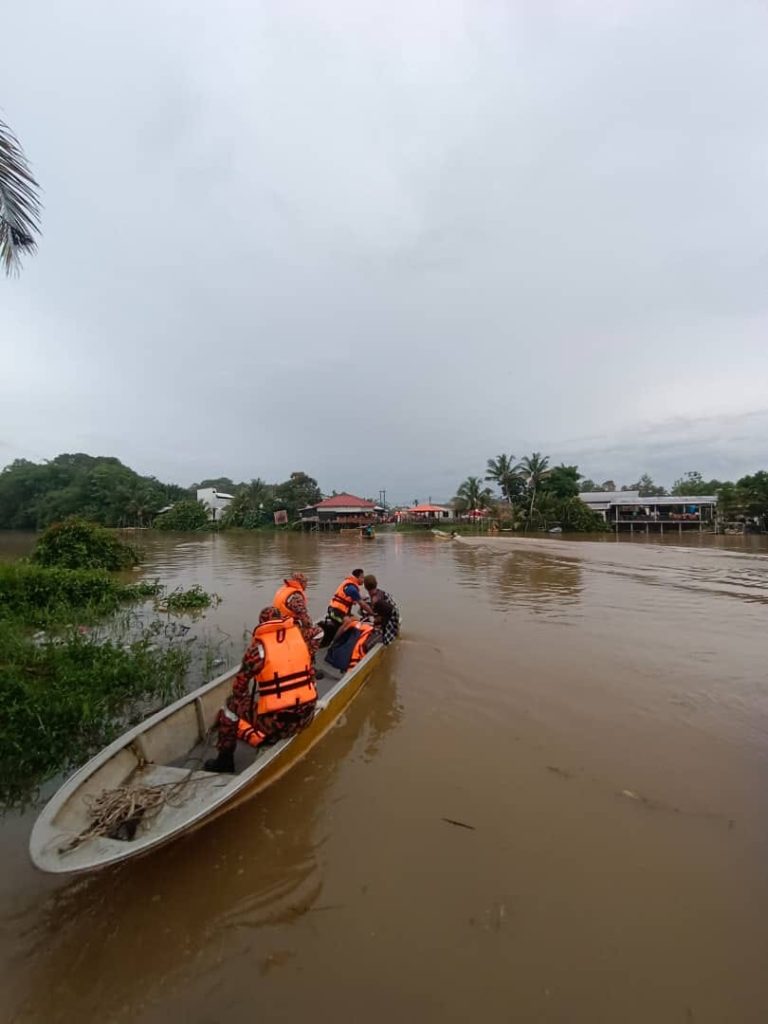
pixel 340 602
pixel 364 629
pixel 288 588
pixel 286 679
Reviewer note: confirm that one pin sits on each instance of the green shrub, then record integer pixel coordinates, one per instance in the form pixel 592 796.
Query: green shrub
pixel 192 600
pixel 78 544
pixel 67 691
pixel 36 595
pixel 64 699
pixel 184 516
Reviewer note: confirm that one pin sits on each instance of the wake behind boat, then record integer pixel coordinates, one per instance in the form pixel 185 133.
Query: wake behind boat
pixel 167 751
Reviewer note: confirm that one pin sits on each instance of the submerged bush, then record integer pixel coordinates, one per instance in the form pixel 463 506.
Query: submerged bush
pixel 185 515
pixel 34 594
pixel 78 544
pixel 192 600
pixel 66 692
pixel 61 701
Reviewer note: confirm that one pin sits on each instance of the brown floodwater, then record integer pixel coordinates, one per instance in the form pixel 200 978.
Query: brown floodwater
pixel 597 712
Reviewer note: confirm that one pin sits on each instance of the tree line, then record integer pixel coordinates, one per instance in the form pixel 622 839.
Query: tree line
pixel 103 490
pixel 531 494
pixel 253 504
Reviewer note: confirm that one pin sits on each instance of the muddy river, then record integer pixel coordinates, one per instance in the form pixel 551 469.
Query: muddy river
pixel 595 711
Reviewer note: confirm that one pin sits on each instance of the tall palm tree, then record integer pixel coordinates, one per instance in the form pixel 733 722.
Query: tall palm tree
pixel 19 203
pixel 471 494
pixel 504 471
pixel 534 470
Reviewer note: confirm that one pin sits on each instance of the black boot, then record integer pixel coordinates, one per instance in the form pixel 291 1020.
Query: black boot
pixel 224 762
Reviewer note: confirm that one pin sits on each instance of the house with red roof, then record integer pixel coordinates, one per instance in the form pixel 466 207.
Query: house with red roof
pixel 426 513
pixel 339 511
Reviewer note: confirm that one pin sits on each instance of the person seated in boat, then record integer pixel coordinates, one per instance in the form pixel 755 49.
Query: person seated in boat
pixel 273 695
pixel 386 614
pixel 291 601
pixel 353 641
pixel 343 601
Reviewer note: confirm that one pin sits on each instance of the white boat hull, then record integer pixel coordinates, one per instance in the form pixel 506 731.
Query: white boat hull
pixel 154 753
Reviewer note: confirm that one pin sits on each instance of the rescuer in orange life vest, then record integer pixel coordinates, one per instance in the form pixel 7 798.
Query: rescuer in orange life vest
pixel 290 600
pixel 343 601
pixel 273 695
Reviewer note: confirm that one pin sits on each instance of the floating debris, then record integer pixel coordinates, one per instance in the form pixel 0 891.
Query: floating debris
pixel 459 824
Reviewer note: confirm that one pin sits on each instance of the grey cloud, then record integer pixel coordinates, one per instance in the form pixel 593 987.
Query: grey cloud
pixel 382 242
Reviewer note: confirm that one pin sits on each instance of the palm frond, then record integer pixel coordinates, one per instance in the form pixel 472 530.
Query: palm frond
pixel 19 203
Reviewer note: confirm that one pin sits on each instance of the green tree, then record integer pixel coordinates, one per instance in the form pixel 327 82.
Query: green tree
pixel 221 483
pixel 100 489
pixel 754 493
pixel 534 470
pixel 693 483
pixel 591 486
pixel 471 494
pixel 298 491
pixel 19 203
pixel 731 501
pixel 505 473
pixel 646 487
pixel 77 544
pixel 252 505
pixel 562 481
pixel 185 515
pixel 575 517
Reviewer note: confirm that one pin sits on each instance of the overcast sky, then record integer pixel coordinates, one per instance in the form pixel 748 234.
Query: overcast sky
pixel 380 241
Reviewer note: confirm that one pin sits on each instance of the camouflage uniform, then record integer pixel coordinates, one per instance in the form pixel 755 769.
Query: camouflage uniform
pixel 297 604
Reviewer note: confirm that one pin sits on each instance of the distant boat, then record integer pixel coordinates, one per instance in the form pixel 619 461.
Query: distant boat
pixel 367 533
pixel 442 535
pixel 555 529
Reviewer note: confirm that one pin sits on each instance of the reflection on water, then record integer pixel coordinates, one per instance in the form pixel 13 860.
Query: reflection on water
pixel 597 711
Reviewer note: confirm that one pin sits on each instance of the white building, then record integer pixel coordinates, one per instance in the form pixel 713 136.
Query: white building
pixel 215 501
pixel 630 511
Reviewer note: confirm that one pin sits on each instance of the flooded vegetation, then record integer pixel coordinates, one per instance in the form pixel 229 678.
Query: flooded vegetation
pixel 82 653
pixel 550 793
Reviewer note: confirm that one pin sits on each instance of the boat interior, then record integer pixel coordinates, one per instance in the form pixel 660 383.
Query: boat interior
pixel 245 756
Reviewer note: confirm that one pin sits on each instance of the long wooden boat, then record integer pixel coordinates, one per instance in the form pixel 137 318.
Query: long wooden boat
pixel 168 750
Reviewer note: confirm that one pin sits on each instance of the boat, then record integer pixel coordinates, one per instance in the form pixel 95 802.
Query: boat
pixel 367 533
pixel 168 750
pixel 442 535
